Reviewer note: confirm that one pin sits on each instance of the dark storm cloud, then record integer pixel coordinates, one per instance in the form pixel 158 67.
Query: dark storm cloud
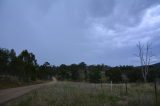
pixel 71 31
pixel 101 8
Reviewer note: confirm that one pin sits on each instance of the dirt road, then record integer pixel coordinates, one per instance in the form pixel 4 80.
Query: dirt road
pixel 8 94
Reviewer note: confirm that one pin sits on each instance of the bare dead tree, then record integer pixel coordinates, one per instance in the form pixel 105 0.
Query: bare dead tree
pixel 145 58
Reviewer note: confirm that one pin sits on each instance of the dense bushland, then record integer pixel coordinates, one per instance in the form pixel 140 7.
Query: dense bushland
pixel 24 68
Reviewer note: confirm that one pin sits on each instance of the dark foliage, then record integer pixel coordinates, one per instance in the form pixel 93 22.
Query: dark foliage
pixel 25 68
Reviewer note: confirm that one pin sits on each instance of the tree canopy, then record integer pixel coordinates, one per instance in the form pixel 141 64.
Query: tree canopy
pixel 25 68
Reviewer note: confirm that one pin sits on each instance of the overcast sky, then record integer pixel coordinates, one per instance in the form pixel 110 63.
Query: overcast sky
pixel 72 31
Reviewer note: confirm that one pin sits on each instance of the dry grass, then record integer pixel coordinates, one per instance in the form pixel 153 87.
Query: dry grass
pixel 84 94
pixel 13 82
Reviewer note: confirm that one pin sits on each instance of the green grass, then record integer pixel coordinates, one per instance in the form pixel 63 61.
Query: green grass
pixel 84 94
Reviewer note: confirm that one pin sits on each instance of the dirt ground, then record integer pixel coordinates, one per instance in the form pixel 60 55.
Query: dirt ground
pixel 9 94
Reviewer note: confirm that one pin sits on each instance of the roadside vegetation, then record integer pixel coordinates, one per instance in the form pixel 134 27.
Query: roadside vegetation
pixel 80 84
pixel 89 94
pixel 12 82
pixel 23 69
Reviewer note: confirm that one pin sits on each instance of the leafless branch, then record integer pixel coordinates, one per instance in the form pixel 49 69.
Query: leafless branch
pixel 145 56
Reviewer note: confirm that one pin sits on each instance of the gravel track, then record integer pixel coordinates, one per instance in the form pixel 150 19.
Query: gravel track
pixel 12 93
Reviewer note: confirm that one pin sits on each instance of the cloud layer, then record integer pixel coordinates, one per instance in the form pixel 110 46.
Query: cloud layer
pixel 71 31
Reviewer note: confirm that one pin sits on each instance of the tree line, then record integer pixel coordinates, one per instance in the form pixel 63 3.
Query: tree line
pixel 25 68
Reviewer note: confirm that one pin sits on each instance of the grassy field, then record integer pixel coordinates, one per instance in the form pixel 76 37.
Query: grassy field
pixel 84 94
